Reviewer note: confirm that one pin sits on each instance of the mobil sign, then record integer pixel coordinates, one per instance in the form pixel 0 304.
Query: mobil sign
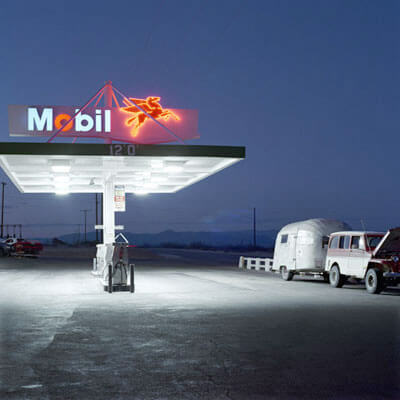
pixel 148 123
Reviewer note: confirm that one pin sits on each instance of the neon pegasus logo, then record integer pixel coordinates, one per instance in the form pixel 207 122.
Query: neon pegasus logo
pixel 152 107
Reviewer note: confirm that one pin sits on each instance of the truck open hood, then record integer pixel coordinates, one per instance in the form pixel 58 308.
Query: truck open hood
pixel 389 243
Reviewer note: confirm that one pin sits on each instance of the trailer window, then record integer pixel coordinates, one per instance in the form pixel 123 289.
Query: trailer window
pixel 334 242
pixel 284 238
pixel 344 242
pixel 325 241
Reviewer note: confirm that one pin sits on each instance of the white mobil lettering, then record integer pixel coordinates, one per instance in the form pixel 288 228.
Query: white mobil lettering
pixel 42 122
pixel 107 121
pixel 98 120
pixel 49 119
pixel 83 122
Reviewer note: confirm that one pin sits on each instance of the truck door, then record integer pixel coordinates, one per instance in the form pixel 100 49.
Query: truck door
pixel 358 257
pixel 344 254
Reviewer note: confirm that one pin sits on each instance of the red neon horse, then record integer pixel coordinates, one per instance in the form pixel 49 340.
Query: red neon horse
pixel 151 106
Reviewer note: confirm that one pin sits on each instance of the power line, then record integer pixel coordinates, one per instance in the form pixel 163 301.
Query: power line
pixel 254 228
pixel 148 39
pixel 217 38
pixel 187 39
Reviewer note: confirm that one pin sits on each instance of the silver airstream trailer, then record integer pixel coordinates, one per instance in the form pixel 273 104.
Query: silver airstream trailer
pixel 301 247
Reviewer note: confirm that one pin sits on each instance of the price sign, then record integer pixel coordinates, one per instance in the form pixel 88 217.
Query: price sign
pixel 119 198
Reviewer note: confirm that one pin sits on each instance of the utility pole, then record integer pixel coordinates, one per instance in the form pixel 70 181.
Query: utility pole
pixel 79 234
pixel 2 207
pixel 85 213
pixel 254 228
pixel 97 218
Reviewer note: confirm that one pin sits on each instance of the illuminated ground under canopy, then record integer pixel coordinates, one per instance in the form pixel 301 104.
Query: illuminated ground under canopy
pixel 83 168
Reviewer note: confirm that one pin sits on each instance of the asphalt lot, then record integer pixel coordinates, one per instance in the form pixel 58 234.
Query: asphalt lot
pixel 196 328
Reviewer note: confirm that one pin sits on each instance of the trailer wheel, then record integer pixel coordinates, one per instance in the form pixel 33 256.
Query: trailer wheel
pixel 336 279
pixel 286 274
pixel 374 281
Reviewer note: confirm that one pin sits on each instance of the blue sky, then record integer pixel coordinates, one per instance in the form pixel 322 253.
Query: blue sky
pixel 309 87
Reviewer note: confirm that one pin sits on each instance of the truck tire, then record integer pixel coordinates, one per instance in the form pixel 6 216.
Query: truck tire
pixel 336 279
pixel 374 281
pixel 286 275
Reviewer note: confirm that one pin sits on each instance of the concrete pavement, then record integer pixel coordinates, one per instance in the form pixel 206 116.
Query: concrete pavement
pixel 197 328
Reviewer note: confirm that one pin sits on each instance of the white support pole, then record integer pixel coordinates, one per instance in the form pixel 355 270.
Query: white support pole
pixel 108 93
pixel 104 254
pixel 108 211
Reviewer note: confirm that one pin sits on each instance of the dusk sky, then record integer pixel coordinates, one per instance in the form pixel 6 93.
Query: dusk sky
pixel 310 88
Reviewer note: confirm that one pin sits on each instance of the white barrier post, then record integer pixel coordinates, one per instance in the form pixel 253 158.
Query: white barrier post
pixel 257 264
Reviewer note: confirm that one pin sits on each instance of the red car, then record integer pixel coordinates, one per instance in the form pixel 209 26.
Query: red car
pixel 22 246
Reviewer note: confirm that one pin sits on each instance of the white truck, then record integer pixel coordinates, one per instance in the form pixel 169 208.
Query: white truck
pixel 372 256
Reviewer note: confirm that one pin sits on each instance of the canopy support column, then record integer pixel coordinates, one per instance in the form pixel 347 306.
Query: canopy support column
pixel 104 254
pixel 108 211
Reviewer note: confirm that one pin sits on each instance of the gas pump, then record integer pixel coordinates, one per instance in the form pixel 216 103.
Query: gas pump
pixel 120 274
pixel 112 266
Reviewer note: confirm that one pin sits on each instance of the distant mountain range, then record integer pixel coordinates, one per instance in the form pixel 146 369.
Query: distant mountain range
pixel 218 239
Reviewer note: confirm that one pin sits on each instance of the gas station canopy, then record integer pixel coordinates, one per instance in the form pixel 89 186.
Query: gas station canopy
pixel 83 168
pixel 138 164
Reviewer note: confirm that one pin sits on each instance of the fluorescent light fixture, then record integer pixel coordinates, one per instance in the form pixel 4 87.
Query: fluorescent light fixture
pixel 60 168
pixel 141 192
pixel 159 179
pixel 60 190
pixel 173 169
pixel 138 179
pixel 157 163
pixel 150 185
pixel 61 184
pixel 61 179
pixel 174 166
pixel 143 174
pixel 60 165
